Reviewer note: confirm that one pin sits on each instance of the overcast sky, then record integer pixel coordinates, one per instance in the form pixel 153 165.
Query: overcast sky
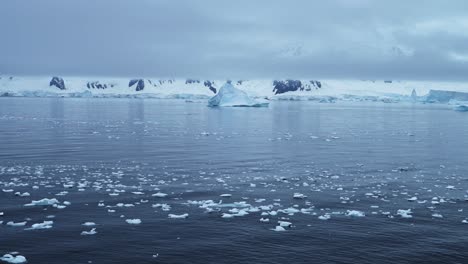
pixel 361 39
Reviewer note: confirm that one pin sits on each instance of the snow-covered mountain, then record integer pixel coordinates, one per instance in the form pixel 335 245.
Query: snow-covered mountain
pixel 321 90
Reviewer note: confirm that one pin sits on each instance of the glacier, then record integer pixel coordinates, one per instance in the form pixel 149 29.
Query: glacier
pixel 323 91
pixel 228 95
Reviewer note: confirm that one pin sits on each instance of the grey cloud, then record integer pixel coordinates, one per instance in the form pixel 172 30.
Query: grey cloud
pixel 363 39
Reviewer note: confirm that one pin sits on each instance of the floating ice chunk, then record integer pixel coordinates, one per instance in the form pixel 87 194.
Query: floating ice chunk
pixel 405 213
pixel 7 190
pixel 89 224
pixel 279 229
pixel 133 221
pixel 436 215
pixel 414 198
pixel 264 220
pixel 355 213
pixel 226 215
pixel 181 216
pixel 159 195
pixel 89 233
pixel 228 95
pixel 289 211
pixel 44 201
pixel 138 193
pixel 25 194
pixel 299 196
pixel 11 223
pixel 324 217
pixel 226 195
pixel 43 225
pixel 284 224
pixel 164 207
pixel 13 259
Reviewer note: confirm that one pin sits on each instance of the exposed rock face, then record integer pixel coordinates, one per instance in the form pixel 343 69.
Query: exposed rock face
pixel 189 81
pixel 140 84
pixel 210 85
pixel 98 85
pixel 57 82
pixel 280 87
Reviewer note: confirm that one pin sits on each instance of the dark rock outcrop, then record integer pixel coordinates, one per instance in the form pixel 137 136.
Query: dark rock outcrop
pixel 190 81
pixel 140 84
pixel 57 82
pixel 210 85
pixel 97 85
pixel 280 87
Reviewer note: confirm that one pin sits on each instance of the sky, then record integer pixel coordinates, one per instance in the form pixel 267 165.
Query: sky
pixel 357 39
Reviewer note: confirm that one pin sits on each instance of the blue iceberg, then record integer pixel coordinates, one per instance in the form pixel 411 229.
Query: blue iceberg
pixel 228 95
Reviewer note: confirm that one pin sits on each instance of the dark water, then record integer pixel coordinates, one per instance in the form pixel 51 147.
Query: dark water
pixel 107 157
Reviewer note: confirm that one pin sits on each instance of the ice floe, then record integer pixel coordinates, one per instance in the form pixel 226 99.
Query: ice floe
pixel 133 221
pixel 18 259
pixel 44 202
pixel 181 216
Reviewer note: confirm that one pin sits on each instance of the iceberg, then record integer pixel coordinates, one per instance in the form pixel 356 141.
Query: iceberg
pixel 439 96
pixel 228 95
pixel 461 108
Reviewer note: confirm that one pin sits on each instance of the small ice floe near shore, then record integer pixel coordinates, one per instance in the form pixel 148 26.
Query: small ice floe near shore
pixel 181 216
pixel 43 202
pixel 89 233
pixel 9 258
pixel 133 221
pixel 355 213
pixel 405 213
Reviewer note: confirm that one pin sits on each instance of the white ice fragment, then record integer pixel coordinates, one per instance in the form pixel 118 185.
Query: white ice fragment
pixel 226 195
pixel 44 201
pixel 264 220
pixel 284 224
pixel 11 223
pixel 436 215
pixel 25 194
pixel 181 216
pixel 355 213
pixel 89 224
pixel 159 195
pixel 279 229
pixel 18 259
pixel 133 221
pixel 89 233
pixel 324 217
pixel 404 213
pixel 43 225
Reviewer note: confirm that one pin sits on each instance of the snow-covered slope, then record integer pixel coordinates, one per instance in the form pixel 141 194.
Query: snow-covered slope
pixel 323 90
